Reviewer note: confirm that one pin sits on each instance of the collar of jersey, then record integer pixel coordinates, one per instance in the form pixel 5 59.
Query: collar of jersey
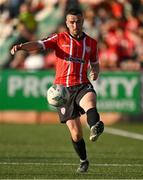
pixel 83 35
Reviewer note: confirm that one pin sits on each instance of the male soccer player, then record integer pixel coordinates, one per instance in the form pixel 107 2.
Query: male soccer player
pixel 75 52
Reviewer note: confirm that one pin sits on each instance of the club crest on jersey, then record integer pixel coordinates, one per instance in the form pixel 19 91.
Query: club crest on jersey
pixel 88 49
pixel 76 60
pixel 63 110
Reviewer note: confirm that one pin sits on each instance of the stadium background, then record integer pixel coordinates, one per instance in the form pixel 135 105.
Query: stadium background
pixel 116 24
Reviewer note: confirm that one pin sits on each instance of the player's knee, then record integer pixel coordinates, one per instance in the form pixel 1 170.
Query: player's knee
pixel 88 101
pixel 92 116
pixel 76 136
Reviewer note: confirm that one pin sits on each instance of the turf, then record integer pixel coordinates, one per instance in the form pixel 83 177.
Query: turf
pixel 45 152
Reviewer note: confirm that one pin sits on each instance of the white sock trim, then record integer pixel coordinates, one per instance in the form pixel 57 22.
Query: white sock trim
pixel 81 160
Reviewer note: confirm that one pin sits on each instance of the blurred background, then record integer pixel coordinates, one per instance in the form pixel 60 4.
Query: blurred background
pixel 118 27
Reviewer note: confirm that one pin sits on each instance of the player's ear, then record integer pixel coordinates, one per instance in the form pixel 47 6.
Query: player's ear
pixel 67 24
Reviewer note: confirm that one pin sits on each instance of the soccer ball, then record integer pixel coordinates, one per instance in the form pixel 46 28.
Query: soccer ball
pixel 57 95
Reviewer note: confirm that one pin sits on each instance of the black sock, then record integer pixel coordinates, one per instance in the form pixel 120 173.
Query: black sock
pixel 80 148
pixel 92 117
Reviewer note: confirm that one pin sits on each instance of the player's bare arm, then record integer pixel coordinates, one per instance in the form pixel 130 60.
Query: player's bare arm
pixel 29 46
pixel 94 71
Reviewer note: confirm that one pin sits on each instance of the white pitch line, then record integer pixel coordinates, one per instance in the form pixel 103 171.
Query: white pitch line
pixel 124 133
pixel 68 164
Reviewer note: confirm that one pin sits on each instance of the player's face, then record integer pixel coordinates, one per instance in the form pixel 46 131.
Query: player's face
pixel 74 24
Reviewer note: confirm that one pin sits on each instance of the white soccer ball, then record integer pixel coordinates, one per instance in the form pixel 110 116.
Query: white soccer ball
pixel 57 95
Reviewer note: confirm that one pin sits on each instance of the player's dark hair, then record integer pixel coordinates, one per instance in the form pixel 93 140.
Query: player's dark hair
pixel 74 12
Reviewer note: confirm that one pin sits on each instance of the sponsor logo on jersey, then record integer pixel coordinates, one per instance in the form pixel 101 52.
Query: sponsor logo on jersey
pixel 76 60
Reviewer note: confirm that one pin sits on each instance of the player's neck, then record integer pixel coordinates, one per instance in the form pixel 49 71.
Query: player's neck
pixel 79 36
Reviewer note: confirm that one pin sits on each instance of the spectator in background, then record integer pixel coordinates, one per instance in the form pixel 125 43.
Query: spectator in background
pixel 89 23
pixel 139 47
pixel 13 7
pixel 136 6
pixel 3 6
pixel 36 5
pixel 24 36
pixel 27 18
pixel 116 8
pixel 23 60
pixel 6 26
pixel 108 57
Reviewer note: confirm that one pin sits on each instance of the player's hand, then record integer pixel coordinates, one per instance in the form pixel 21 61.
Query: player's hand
pixel 93 76
pixel 15 48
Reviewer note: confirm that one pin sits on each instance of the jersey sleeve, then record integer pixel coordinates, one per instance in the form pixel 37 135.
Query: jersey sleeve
pixel 94 53
pixel 49 42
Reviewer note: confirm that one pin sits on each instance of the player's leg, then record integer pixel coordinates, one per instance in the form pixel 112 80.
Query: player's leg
pixel 75 129
pixel 88 103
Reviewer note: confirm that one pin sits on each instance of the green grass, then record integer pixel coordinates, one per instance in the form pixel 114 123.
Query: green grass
pixel 45 152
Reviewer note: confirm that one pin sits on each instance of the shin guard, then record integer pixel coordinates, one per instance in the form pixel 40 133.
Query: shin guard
pixel 92 116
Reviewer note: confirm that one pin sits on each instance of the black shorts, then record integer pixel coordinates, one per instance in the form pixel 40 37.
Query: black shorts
pixel 72 109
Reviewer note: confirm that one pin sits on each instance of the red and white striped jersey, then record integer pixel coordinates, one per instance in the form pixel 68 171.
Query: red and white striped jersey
pixel 73 57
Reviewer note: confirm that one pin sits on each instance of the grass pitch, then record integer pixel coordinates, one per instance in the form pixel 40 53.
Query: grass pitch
pixel 45 152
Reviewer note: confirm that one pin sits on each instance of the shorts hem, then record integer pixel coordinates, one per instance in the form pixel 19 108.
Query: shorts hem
pixel 64 121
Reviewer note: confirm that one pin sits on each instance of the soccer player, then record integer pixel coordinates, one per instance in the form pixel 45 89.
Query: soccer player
pixel 75 53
